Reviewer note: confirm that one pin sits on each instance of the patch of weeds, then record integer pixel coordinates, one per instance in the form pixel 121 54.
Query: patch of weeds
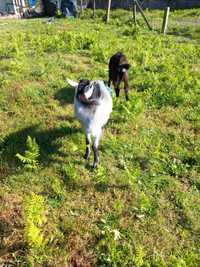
pixel 139 258
pixel 187 211
pixel 192 259
pixel 176 262
pixel 69 175
pixel 125 111
pixel 192 114
pixel 34 93
pixel 100 55
pixel 55 191
pixel 176 167
pixel 158 261
pixel 131 173
pixel 66 225
pixel 173 97
pixel 112 249
pixel 30 158
pixel 35 219
pixel 145 206
pixel 160 183
pixel 101 178
pixel 118 207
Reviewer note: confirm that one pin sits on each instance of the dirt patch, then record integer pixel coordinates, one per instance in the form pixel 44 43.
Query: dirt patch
pixel 9 17
pixel 11 226
pixel 79 256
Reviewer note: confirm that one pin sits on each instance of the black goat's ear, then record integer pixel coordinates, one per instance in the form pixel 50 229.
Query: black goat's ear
pixel 124 66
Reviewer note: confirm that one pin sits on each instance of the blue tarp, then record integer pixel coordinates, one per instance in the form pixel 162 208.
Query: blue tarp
pixel 31 3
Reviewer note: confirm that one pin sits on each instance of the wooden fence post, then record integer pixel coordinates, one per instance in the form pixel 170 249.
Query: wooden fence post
pixel 143 15
pixel 134 12
pixel 94 8
pixel 165 20
pixel 108 11
pixel 81 7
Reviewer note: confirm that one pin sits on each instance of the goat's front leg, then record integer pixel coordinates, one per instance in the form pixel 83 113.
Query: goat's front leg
pixel 88 141
pixel 110 78
pixel 117 90
pixel 125 78
pixel 109 82
pixel 95 148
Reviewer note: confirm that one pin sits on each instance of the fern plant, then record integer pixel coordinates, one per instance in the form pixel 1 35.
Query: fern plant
pixel 30 158
pixel 139 256
pixel 34 220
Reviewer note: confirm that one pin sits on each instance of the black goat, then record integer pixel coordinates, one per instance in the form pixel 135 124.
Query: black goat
pixel 118 71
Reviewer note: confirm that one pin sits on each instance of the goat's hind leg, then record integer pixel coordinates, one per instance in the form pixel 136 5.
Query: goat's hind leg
pixel 95 149
pixel 88 142
pixel 126 86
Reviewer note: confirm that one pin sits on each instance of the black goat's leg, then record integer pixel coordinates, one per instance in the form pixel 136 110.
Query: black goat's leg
pixel 126 93
pixel 126 86
pixel 87 151
pixel 110 78
pixel 109 82
pixel 117 90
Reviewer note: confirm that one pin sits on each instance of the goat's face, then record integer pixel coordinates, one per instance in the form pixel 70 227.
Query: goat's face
pixel 123 68
pixel 82 86
pixel 85 88
pixel 87 93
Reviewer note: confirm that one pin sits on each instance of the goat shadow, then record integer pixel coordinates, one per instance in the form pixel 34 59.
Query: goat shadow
pixel 46 139
pixel 65 95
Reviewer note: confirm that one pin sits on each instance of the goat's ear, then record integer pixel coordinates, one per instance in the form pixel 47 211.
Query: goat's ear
pixel 72 83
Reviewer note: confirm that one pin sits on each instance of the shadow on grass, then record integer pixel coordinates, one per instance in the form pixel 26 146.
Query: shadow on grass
pixel 65 95
pixel 104 187
pixel 183 34
pixel 16 143
pixel 92 186
pixel 66 118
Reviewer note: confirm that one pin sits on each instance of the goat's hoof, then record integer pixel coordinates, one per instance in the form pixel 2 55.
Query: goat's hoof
pixel 127 98
pixel 86 156
pixel 86 164
pixel 94 166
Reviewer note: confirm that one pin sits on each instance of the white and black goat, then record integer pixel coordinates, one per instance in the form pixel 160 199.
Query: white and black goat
pixel 118 71
pixel 92 105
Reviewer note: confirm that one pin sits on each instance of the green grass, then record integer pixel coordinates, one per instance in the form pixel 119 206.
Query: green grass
pixel 141 207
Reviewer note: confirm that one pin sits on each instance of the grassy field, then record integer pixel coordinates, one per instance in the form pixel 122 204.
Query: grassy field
pixel 141 207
